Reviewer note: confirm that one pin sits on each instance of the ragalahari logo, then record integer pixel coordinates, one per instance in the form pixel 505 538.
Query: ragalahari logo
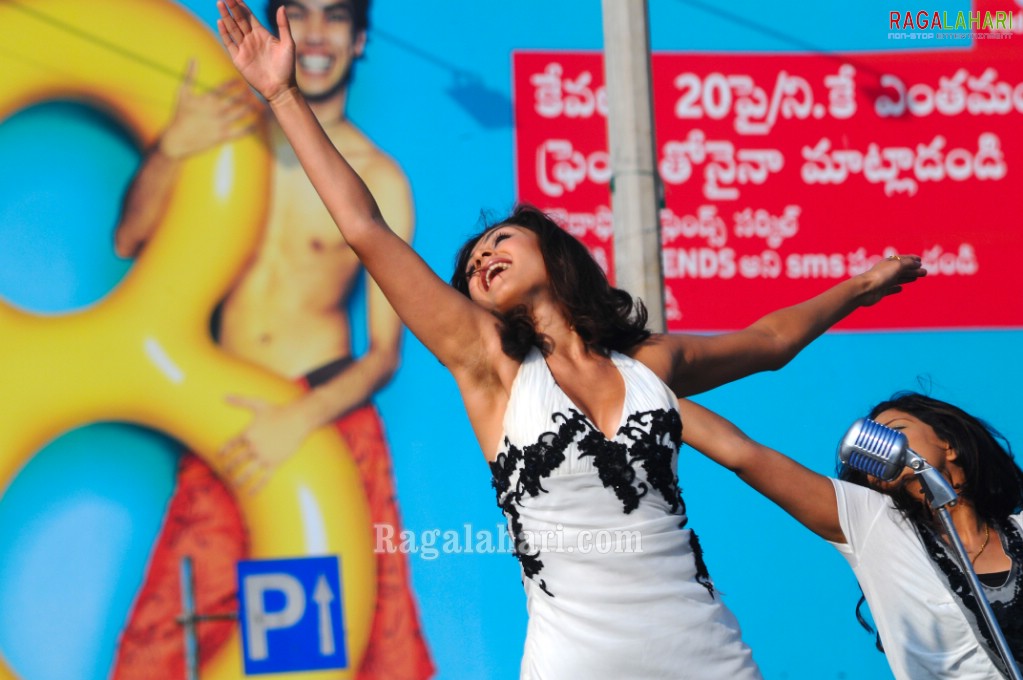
pixel 976 24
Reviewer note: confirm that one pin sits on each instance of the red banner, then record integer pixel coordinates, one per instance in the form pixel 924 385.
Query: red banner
pixel 784 173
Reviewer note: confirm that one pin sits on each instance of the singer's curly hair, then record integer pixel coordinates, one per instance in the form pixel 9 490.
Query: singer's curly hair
pixel 605 317
pixel 993 479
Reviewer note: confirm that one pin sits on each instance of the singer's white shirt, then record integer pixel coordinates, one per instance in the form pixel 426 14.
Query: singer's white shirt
pixel 923 629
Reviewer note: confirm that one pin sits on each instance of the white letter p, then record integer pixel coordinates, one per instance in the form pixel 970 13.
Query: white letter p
pixel 259 621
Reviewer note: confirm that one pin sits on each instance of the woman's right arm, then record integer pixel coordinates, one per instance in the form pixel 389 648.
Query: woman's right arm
pixel 807 496
pixel 457 331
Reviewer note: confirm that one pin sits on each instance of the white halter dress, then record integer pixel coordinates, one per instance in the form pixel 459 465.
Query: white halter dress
pixel 615 585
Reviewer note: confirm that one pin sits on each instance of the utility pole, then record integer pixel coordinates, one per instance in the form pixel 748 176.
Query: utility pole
pixel 635 186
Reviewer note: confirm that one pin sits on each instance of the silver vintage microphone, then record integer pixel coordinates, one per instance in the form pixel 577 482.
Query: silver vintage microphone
pixel 883 453
pixel 875 449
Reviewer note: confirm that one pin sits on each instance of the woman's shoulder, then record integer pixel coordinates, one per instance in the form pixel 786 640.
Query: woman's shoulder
pixel 861 493
pixel 856 501
pixel 655 354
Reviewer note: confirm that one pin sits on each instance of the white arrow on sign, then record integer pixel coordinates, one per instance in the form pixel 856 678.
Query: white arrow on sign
pixel 323 596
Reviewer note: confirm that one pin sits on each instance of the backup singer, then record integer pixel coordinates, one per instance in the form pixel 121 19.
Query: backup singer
pixel 926 615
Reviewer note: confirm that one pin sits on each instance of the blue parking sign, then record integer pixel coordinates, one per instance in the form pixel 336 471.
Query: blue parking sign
pixel 291 614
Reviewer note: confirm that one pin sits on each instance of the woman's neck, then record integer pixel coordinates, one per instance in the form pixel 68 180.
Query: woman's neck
pixel 551 322
pixel 980 538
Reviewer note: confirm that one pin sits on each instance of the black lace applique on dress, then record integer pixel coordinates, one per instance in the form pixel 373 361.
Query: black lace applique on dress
pixel 655 437
pixel 614 467
pixel 534 463
pixel 1008 614
pixel 652 439
pixel 702 575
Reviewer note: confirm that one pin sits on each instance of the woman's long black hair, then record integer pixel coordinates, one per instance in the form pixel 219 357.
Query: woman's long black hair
pixel 606 318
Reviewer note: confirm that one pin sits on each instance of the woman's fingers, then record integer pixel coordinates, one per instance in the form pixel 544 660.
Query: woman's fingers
pixel 242 15
pixel 230 34
pixel 283 25
pixel 225 38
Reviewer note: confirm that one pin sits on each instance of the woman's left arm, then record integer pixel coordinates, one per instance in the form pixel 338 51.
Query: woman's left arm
pixel 798 490
pixel 691 364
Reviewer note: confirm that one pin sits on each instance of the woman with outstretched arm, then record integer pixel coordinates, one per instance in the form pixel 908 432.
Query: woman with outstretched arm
pixel 573 402
pixel 926 616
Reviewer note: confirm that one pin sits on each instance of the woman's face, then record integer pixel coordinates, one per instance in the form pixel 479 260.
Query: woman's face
pixel 927 444
pixel 506 268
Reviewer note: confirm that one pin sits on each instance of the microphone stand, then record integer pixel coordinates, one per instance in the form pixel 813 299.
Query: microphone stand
pixel 940 494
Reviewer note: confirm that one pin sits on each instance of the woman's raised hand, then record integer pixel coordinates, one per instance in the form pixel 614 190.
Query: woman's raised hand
pixel 266 61
pixel 889 275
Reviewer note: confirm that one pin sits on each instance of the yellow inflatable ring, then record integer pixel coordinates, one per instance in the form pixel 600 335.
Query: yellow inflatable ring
pixel 143 354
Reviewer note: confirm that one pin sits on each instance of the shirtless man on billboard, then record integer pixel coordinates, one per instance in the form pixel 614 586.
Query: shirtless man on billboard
pixel 287 312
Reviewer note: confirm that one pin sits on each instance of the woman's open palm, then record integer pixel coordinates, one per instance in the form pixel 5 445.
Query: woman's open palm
pixel 264 60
